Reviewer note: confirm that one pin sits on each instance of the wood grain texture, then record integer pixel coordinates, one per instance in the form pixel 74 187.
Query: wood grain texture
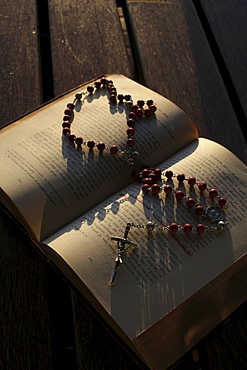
pixel 228 22
pixel 20 89
pixel 87 41
pixel 25 317
pixel 176 61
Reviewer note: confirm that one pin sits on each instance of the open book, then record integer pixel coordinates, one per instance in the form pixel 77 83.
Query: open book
pixel 115 239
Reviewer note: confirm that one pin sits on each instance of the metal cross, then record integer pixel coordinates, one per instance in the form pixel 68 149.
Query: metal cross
pixel 123 244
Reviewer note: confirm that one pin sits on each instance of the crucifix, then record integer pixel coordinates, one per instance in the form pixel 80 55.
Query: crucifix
pixel 123 244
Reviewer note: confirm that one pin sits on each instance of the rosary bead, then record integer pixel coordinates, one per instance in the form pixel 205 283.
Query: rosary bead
pixel 71 138
pixel 113 98
pixel 169 174
pixel 150 102
pixel 167 189
pixel 155 188
pixel 202 186
pixel 153 108
pixel 127 97
pixel 222 202
pixel 120 97
pixel 90 89
pixel 78 96
pixel 147 180
pixel 71 106
pixel 179 194
pixel 103 81
pixel 139 112
pixel 90 144
pixel 68 112
pixel 145 188
pixel 132 115
pixel 114 149
pixel 140 103
pixel 130 122
pixel 187 228
pixel 213 193
pixel 130 142
pixel 79 141
pixel 101 146
pixel 200 228
pixel 66 124
pixel 191 181
pixel 147 112
pixel 130 131
pixel 158 173
pixel 150 226
pixel 199 210
pixel 191 202
pixel 145 172
pixel 66 131
pixel 180 177
pixel 134 108
pixel 152 176
pixel 66 118
pixel 173 227
pixel 97 84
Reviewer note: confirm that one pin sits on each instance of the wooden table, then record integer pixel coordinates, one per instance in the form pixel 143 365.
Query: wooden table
pixel 193 52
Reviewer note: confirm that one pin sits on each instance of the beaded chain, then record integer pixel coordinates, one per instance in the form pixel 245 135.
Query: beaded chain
pixel 135 113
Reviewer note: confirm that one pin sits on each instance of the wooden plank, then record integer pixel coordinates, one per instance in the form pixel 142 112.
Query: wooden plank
pixel 25 314
pixel 227 21
pixel 87 41
pixel 176 61
pixel 20 89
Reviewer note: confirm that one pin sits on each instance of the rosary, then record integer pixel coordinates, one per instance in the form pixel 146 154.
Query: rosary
pixel 153 182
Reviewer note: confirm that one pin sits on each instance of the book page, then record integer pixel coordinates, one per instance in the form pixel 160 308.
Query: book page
pixel 52 182
pixel 162 269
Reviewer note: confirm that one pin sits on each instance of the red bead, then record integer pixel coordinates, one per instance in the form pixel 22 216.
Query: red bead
pixel 113 149
pixel 79 141
pixel 66 118
pixel 145 188
pixel 180 177
pixel 167 189
pixel 140 103
pixel 191 180
pixel 68 112
pixel 200 228
pixel 153 108
pixel 179 194
pixel 90 89
pixel 66 124
pixel 222 202
pixel 145 172
pixel 199 210
pixel 71 138
pixel 132 115
pixel 147 180
pixel 158 173
pixel 113 98
pixel 213 193
pixel 103 81
pixel 120 97
pixel 134 108
pixel 130 142
pixel 147 112
pixel 202 186
pixel 127 97
pixel 187 228
pixel 71 106
pixel 191 202
pixel 150 102
pixel 66 131
pixel 152 176
pixel 97 84
pixel 173 227
pixel 130 131
pixel 155 188
pixel 131 122
pixel 139 112
pixel 169 174
pixel 101 146
pixel 91 144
